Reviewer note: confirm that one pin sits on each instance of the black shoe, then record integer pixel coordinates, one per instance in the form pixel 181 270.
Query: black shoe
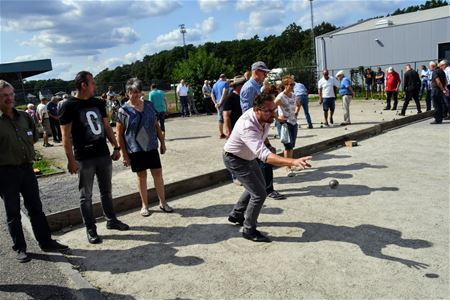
pixel 256 236
pixel 310 127
pixel 387 108
pixel 435 122
pixel 53 245
pixel 117 225
pixel 331 121
pixel 236 220
pixel 93 237
pixel 22 256
pixel 419 112
pixel 401 114
pixel 394 108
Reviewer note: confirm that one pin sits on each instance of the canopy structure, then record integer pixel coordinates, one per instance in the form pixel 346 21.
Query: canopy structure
pixel 18 71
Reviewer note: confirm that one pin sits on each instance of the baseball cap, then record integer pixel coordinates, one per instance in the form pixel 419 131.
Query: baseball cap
pixel 259 65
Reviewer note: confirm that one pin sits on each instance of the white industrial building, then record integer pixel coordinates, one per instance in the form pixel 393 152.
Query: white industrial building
pixel 414 38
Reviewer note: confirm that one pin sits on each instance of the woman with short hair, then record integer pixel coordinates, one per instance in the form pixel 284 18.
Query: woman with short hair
pixel 138 134
pixel 288 108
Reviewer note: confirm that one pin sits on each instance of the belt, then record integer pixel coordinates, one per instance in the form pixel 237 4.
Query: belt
pixel 231 155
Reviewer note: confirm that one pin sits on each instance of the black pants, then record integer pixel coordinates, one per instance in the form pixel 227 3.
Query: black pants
pixel 390 95
pixel 414 95
pixel 56 130
pixel 438 103
pixel 21 180
pixel 207 105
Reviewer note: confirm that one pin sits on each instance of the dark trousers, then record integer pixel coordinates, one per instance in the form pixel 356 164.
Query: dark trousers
pixel 184 106
pixel 390 95
pixel 267 171
pixel 207 105
pixel 305 105
pixel 102 168
pixel 438 99
pixel 446 105
pixel 16 181
pixel 252 199
pixel 414 95
pixel 161 116
pixel 56 130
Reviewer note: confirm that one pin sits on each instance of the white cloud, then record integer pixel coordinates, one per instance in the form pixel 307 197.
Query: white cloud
pixel 68 27
pixel 261 22
pixel 260 4
pixel 198 34
pixel 210 5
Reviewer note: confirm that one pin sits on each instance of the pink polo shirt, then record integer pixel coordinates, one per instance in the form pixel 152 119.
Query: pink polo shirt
pixel 247 138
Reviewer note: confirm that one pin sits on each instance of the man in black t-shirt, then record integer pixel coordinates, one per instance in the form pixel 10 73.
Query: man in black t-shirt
pixel 85 127
pixel 438 82
pixel 232 105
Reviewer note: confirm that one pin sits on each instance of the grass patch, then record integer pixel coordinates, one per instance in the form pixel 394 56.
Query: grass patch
pixel 44 166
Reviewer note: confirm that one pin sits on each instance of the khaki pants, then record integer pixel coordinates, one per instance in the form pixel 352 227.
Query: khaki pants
pixel 346 106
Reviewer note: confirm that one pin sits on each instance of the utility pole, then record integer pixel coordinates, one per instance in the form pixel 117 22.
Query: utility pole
pixel 183 32
pixel 313 48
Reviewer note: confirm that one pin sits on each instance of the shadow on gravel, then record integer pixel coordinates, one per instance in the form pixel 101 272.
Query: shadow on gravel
pixel 370 239
pixel 328 156
pixel 189 138
pixel 326 172
pixel 39 291
pixel 220 210
pixel 343 190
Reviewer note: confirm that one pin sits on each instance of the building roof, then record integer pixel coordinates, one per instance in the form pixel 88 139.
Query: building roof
pixel 21 70
pixel 397 20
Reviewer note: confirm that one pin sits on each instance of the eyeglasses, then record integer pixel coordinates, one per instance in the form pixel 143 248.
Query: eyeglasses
pixel 267 110
pixel 7 94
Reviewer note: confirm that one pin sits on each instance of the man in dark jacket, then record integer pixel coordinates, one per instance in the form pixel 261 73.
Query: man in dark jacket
pixel 411 86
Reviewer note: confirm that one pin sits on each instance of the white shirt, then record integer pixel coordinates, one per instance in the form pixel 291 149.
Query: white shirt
pixel 41 111
pixel 327 87
pixel 247 138
pixel 447 74
pixel 182 90
pixel 287 107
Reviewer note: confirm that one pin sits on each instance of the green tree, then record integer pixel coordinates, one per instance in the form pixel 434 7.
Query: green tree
pixel 199 66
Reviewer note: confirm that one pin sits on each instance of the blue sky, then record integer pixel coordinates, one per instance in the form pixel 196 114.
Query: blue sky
pixel 94 35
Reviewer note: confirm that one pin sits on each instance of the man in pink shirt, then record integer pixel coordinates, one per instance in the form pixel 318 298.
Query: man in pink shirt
pixel 392 84
pixel 247 142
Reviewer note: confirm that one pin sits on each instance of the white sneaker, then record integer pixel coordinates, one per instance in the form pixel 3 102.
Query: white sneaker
pixel 145 212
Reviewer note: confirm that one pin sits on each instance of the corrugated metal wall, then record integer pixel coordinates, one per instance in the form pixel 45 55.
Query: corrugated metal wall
pixel 415 43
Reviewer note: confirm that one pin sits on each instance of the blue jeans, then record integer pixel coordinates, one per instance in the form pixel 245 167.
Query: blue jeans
pixel 161 117
pixel 293 130
pixel 102 168
pixel 425 88
pixel 305 105
pixel 184 106
pixel 252 199
pixel 16 180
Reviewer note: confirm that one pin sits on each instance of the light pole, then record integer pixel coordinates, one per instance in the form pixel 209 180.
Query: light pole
pixel 183 32
pixel 313 48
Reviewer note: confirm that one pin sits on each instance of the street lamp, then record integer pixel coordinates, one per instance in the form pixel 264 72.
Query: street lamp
pixel 183 32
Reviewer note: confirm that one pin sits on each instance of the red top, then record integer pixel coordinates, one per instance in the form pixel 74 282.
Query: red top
pixel 392 81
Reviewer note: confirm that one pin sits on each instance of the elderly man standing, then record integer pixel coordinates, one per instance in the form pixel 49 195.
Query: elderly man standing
pixel 438 83
pixel 250 90
pixel 411 86
pixel 182 91
pixel 43 118
pixel 347 93
pixel 445 66
pixel 218 95
pixel 52 109
pixel 327 95
pixel 392 84
pixel 17 136
pixel 247 143
pixel 85 126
